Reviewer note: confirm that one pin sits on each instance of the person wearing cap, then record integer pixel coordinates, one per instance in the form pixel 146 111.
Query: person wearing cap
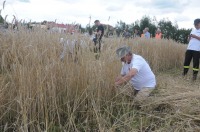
pixel 193 50
pixel 98 36
pixel 136 71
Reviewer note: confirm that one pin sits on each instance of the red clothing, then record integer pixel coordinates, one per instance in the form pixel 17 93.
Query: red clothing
pixel 158 36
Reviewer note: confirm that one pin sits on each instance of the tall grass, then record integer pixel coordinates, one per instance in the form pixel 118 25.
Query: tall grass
pixel 39 92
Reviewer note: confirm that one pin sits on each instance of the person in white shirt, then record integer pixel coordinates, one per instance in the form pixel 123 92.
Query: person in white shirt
pixel 193 50
pixel 137 72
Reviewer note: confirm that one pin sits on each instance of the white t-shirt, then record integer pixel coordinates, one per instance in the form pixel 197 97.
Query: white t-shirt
pixel 194 43
pixel 144 78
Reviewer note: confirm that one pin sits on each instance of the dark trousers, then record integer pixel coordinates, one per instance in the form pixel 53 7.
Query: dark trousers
pixel 189 55
pixel 97 45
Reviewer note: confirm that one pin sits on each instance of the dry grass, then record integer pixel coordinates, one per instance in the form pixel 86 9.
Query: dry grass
pixel 39 92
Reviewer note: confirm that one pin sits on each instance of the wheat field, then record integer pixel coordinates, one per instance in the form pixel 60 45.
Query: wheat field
pixel 40 92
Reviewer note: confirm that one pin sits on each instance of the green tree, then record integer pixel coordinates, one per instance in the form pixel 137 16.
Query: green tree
pixel 89 29
pixel 168 30
pixel 1 19
pixel 83 30
pixel 120 27
pixel 131 28
pixel 182 35
pixel 147 22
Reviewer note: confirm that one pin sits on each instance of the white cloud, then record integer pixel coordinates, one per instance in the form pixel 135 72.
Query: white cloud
pixel 24 0
pixel 114 8
pixel 68 11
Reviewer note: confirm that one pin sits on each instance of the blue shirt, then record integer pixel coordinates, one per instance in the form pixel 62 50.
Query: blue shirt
pixel 147 35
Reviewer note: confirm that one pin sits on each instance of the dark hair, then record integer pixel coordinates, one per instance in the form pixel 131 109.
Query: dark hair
pixel 96 21
pixel 196 21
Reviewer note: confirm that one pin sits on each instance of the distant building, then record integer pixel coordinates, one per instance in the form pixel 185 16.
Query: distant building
pixel 63 28
pixel 56 27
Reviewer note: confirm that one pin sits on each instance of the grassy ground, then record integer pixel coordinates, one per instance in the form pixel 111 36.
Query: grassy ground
pixel 41 92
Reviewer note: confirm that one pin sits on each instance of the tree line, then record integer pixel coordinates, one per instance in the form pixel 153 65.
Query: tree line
pixel 169 29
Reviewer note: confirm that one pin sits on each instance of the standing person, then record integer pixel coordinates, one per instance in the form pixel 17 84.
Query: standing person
pixel 98 36
pixel 126 34
pixel 136 33
pixel 142 35
pixel 136 71
pixel 158 34
pixel 193 50
pixel 146 33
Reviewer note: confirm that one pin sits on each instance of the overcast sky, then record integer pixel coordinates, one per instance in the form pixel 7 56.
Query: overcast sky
pixel 78 11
